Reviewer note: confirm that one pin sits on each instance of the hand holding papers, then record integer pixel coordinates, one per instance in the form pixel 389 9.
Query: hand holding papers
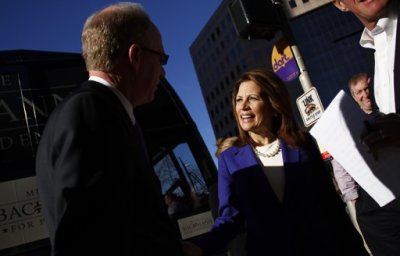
pixel 339 130
pixel 383 132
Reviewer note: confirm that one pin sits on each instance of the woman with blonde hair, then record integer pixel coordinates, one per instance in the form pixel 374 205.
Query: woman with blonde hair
pixel 224 143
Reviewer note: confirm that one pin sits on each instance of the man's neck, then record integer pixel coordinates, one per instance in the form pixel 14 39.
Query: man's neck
pixel 371 24
pixel 368 111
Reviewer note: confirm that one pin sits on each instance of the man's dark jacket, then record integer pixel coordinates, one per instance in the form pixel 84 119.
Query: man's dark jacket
pixel 99 192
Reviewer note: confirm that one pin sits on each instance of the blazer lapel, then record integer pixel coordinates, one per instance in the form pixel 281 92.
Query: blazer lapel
pixel 246 156
pixel 291 158
pixel 289 155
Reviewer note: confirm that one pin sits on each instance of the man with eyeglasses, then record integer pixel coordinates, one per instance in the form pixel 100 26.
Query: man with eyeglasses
pixel 99 192
pixel 163 57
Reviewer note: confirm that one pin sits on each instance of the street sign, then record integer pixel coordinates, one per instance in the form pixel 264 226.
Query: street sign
pixel 294 8
pixel 283 61
pixel 310 106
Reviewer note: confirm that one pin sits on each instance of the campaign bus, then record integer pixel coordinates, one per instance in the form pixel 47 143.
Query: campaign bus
pixel 32 83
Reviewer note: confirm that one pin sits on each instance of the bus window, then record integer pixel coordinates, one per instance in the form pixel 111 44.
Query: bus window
pixel 179 175
pixel 181 161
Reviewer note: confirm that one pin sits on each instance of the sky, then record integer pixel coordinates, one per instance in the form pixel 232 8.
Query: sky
pixel 56 25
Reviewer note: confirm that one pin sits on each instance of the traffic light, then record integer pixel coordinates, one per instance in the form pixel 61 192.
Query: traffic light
pixel 255 19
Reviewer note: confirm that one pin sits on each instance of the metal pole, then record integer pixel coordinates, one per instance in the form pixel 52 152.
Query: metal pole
pixel 304 78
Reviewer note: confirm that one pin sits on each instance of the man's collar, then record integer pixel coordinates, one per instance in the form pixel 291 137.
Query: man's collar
pixel 99 80
pixel 385 24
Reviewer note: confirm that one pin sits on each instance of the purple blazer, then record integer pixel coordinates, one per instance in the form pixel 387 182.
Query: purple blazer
pixel 311 220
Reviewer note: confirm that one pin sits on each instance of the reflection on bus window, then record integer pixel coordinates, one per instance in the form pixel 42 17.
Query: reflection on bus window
pixel 181 182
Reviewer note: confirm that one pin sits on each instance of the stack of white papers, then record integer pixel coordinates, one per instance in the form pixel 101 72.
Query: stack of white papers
pixel 339 130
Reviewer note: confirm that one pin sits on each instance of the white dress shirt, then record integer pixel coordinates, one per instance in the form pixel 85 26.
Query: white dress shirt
pixel 383 40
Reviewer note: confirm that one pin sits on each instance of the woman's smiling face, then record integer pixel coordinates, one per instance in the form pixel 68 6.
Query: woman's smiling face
pixel 253 112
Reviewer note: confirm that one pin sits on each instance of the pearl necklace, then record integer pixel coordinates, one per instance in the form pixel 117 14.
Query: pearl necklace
pixel 272 149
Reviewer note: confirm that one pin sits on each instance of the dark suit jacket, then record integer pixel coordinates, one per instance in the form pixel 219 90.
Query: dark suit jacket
pixel 311 220
pixel 99 192
pixel 397 69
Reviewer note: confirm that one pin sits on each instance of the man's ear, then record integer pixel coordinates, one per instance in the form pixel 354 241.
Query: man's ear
pixel 134 53
pixel 340 5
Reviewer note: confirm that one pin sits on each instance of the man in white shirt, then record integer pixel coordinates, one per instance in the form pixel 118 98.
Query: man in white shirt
pixel 380 225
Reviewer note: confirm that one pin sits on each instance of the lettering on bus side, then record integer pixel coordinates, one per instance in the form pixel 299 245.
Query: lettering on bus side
pixel 23 114
pixel 21 215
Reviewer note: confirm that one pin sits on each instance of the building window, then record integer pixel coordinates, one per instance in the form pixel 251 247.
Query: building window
pixel 222 65
pixel 227 100
pixel 223 24
pixel 238 69
pixel 244 64
pixel 232 75
pixel 227 80
pixel 227 38
pixel 228 18
pixel 221 85
pixel 292 3
pixel 238 49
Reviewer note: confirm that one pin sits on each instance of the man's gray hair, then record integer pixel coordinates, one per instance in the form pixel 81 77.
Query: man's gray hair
pixel 108 33
pixel 355 79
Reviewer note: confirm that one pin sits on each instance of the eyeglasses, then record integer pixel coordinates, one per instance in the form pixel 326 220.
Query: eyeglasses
pixel 163 57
